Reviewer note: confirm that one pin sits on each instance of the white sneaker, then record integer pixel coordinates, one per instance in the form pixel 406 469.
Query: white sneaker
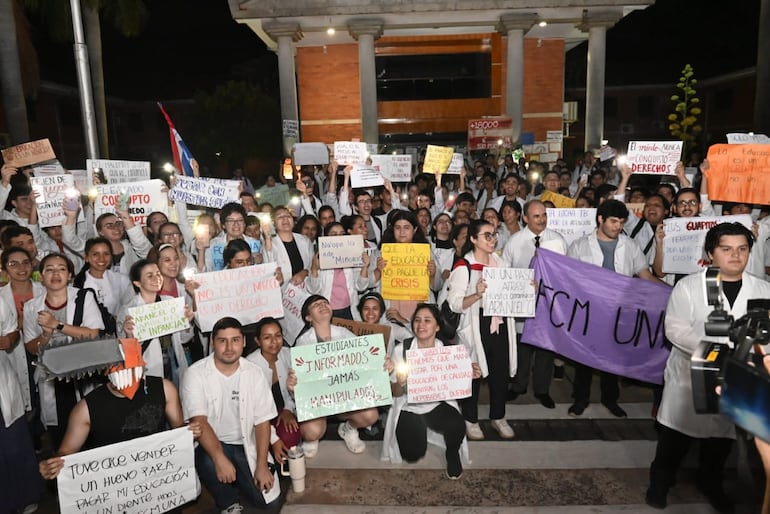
pixel 349 434
pixel 310 448
pixel 232 509
pixel 503 428
pixel 473 431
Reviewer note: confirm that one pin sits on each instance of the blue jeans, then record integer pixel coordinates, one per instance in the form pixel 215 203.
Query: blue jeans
pixel 227 494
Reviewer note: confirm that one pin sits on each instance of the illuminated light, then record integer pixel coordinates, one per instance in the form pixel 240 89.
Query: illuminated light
pixel 71 192
pixel 330 31
pixel 257 195
pixel 621 160
pixel 499 142
pixel 542 24
pixel 168 167
pixel 394 152
pixel 402 368
pixel 604 142
pixel 202 230
pixel 294 200
pixel 405 197
pixel 535 176
pixel 188 273
pixel 93 193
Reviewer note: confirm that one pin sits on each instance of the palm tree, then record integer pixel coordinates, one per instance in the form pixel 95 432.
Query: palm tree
pixel 11 81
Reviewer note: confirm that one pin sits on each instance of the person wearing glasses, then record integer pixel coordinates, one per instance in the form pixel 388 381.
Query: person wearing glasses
pixel 171 233
pixel 292 252
pixel 490 340
pixel 233 219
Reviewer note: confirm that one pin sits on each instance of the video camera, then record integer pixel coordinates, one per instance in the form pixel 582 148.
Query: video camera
pixel 745 394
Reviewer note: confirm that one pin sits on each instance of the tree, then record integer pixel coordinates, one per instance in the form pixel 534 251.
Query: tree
pixel 684 120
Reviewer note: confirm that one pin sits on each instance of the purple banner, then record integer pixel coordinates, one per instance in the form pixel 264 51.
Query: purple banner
pixel 599 318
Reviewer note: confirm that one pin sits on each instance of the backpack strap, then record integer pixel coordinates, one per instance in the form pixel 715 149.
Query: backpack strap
pixel 80 301
pixel 406 345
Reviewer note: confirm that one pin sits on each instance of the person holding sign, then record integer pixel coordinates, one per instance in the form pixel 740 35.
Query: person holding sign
pixel 112 289
pixel 491 339
pixel 233 217
pixel 371 308
pixel 411 426
pixel 292 252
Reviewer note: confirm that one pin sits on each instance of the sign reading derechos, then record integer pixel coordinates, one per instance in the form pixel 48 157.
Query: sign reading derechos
pixel 654 157
pixel 439 373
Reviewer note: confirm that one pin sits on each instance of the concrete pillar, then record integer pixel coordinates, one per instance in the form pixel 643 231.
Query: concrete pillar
pixel 285 34
pixel 515 26
pixel 366 32
pixel 762 95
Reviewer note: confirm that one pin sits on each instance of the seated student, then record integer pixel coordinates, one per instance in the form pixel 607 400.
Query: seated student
pixel 410 426
pixel 371 308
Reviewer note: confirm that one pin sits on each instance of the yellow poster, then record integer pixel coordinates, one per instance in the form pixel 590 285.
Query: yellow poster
pixel 558 201
pixel 437 159
pixel 405 277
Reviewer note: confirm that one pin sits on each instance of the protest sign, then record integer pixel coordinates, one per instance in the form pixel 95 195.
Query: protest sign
pixel 81 180
pixel 396 168
pixel 25 154
pixel 360 328
pixel 49 168
pixel 572 224
pixel 654 157
pixel 509 292
pixel 437 159
pixel 486 133
pixel 119 172
pixel 144 198
pixel 456 164
pixel 606 153
pixel 292 323
pixel 247 294
pixel 683 243
pixel 735 138
pixel 599 318
pixel 406 275
pixel 276 196
pixel 362 176
pixel 340 376
pixel 439 373
pixel 340 251
pixel 206 193
pixel 159 318
pixel 155 473
pixel 637 209
pixel 739 173
pixel 349 152
pixel 558 201
pixel 310 153
pixel 52 190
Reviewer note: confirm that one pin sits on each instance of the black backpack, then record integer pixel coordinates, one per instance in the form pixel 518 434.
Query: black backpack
pixel 110 327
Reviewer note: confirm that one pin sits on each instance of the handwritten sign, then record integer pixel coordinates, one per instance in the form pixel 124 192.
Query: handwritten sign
pixel 28 153
pixel 396 168
pixel 456 165
pixel 158 319
pixel 736 138
pixel 275 196
pixel 340 251
pixel 683 243
pixel 437 159
pixel 365 176
pixel 558 201
pixel 144 198
pixel 360 328
pixel 147 474
pixel 572 223
pixel 119 172
pixel 52 191
pixel 654 157
pixel 350 152
pixel 509 292
pixel 739 173
pixel 406 275
pixel 438 374
pixel 310 153
pixel 247 294
pixel 292 323
pixel 207 193
pixel 340 376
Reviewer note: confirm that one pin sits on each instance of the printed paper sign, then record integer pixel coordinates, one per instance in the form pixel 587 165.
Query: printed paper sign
pixel 747 139
pixel 365 176
pixel 340 251
pixel 437 159
pixel 739 173
pixel 572 224
pixel 158 319
pixel 28 153
pixel 509 292
pixel 147 474
pixel 310 153
pixel 349 152
pixel 654 157
pixel 292 323
pixel 683 243
pixel 360 328
pixel 144 198
pixel 119 172
pixel 438 374
pixel 536 148
pixel 456 165
pixel 51 190
pixel 49 168
pixel 206 193
pixel 554 136
pixel 340 376
pixel 486 133
pixel 558 201
pixel 291 128
pixel 396 168
pixel 406 275
pixel 247 294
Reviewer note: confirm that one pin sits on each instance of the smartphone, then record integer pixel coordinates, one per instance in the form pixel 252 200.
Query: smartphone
pixel 123 200
pixel 745 397
pixel 99 175
pixel 72 200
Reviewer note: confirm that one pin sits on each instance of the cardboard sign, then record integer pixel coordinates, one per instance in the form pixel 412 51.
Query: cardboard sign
pixel 486 133
pixel 145 198
pixel 654 157
pixel 683 243
pixel 340 251
pixel 572 224
pixel 437 159
pixel 310 153
pixel 28 153
pixel 119 172
pixel 52 190
pixel 456 165
pixel 509 292
pixel 739 173
pixel 558 201
pixel 206 193
pixel 247 294
pixel 292 323
pixel 406 275
pixel 360 328
pixel 735 138
pixel 396 168
pixel 438 374
pixel 340 376
pixel 158 319
pixel 147 474
pixel 350 152
pixel 362 176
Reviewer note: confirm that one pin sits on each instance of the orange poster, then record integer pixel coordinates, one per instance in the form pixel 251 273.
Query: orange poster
pixel 29 153
pixel 739 173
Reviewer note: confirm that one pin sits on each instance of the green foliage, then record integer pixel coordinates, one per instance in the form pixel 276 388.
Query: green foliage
pixel 237 121
pixel 127 16
pixel 684 120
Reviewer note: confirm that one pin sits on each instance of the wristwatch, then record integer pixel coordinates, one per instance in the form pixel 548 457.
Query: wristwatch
pixel 59 327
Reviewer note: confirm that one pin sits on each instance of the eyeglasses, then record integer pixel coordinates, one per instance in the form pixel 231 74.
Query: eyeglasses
pixel 15 264
pixel 684 203
pixel 489 236
pixel 114 224
pixel 239 221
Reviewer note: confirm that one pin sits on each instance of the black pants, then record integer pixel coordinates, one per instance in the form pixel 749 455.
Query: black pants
pixel 671 450
pixel 541 362
pixel 412 431
pixel 581 388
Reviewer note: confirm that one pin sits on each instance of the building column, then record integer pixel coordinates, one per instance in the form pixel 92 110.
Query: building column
pixel 366 32
pixel 762 95
pixel 515 26
pixel 285 34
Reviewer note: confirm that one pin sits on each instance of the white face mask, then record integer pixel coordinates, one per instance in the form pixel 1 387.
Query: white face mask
pixel 125 378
